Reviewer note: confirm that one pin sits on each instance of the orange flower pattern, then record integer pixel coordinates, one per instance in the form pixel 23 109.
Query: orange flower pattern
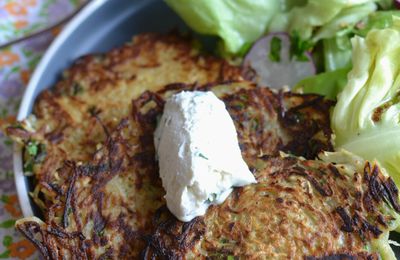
pixel 19 18
pixel 12 207
pixel 29 2
pixel 20 24
pixel 8 58
pixel 22 249
pixel 15 8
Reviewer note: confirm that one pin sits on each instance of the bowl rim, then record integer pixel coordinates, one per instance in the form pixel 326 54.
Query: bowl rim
pixel 28 97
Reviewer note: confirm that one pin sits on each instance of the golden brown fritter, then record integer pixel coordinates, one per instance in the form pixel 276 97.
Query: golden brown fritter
pixel 298 209
pixel 105 85
pixel 103 207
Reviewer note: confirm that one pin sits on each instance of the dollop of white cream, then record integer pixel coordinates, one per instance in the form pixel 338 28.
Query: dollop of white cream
pixel 198 152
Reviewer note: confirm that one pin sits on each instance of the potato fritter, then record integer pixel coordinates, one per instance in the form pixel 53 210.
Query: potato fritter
pixel 298 209
pixel 104 206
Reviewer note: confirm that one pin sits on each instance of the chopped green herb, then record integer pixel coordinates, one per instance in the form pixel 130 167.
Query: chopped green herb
pixel 203 156
pixel 243 97
pixel 76 89
pixel 34 153
pixel 100 233
pixel 275 49
pixel 224 240
pixel 212 198
pixel 230 257
pixel 32 148
pixel 298 47
pixel 28 165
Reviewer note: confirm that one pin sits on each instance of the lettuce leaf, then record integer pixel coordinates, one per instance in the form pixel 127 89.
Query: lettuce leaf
pixel 330 16
pixel 337 50
pixel 327 84
pixel 366 118
pixel 241 22
pixel 236 22
pixel 337 53
pixel 376 20
pixel 336 35
pixel 344 21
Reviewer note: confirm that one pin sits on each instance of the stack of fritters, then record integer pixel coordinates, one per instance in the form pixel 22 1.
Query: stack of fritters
pixel 90 148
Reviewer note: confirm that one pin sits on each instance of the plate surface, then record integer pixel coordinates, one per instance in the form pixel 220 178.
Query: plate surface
pixel 100 26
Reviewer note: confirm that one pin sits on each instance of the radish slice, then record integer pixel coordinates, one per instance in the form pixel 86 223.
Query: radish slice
pixel 397 4
pixel 274 68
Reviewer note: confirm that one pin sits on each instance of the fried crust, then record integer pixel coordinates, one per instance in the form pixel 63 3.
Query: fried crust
pixel 106 204
pixel 104 85
pixel 298 209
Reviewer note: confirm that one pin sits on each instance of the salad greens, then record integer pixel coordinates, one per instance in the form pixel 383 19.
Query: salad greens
pixel 228 19
pixel 241 22
pixel 366 118
pixel 324 17
pixel 275 51
pixel 376 20
pixel 337 52
pixel 327 84
pixel 364 72
pixel 323 27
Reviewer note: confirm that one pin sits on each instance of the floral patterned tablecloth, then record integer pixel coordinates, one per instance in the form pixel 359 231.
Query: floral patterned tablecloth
pixel 19 18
